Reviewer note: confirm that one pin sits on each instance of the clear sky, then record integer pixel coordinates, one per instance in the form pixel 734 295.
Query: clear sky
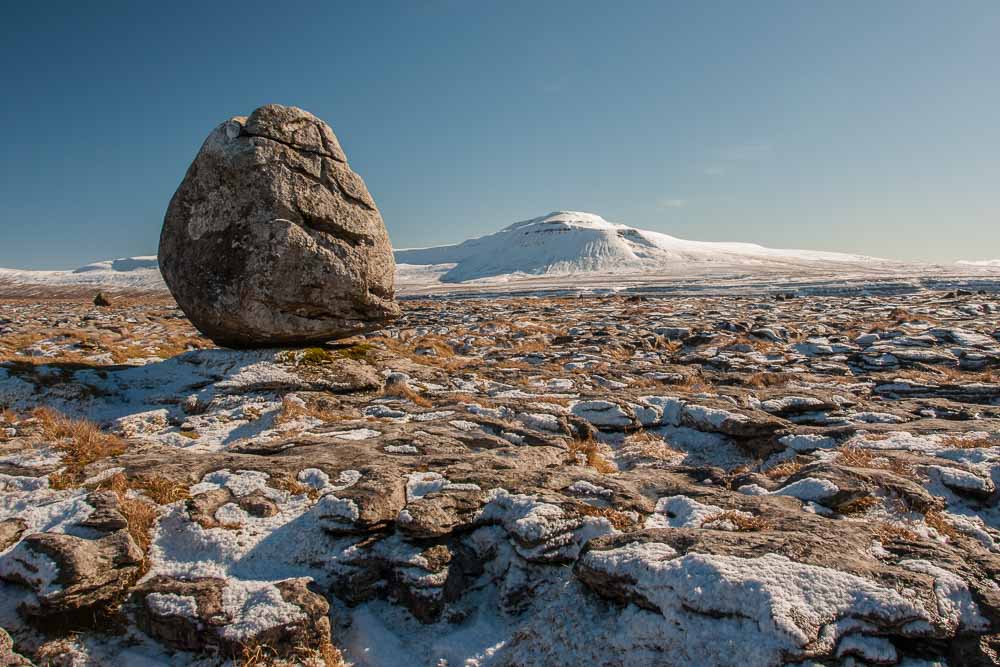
pixel 859 126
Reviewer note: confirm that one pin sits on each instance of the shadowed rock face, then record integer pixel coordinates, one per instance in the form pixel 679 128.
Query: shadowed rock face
pixel 272 239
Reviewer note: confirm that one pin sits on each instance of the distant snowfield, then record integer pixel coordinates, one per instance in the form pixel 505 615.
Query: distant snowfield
pixel 573 251
pixel 127 273
pixel 979 262
pixel 570 250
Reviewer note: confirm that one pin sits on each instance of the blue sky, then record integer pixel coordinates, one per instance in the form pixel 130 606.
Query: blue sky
pixel 856 126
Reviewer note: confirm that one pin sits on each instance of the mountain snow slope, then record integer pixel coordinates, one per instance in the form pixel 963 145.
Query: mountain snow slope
pixel 570 242
pixel 132 273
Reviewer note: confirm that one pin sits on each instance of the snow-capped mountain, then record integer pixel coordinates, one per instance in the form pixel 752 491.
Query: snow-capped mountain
pixel 135 273
pixel 570 242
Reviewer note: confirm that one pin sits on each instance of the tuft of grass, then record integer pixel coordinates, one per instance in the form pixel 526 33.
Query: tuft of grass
pixel 936 520
pixel 399 389
pixel 741 520
pixel 958 442
pixel 783 470
pixel 293 409
pixel 619 520
pixel 859 506
pixel 858 457
pixel 766 379
pixel 256 654
pixel 140 514
pixel 587 448
pixel 893 532
pixel 81 442
pixel 161 490
pixel 357 352
pixel 292 486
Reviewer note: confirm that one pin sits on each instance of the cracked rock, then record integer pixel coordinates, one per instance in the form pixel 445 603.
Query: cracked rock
pixel 272 239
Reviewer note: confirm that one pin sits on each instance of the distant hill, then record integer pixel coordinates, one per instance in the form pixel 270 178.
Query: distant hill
pixel 570 242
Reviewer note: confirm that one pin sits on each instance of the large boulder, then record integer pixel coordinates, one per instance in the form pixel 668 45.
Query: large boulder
pixel 271 238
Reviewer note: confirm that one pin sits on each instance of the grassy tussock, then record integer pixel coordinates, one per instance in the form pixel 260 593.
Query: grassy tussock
pixel 740 520
pixel 857 457
pixel 140 514
pixel 959 442
pixel 937 521
pixel 619 520
pixel 894 532
pixel 292 409
pixel 262 655
pixel 783 470
pixel 161 490
pixel 399 389
pixel 766 379
pixel 588 449
pixel 81 442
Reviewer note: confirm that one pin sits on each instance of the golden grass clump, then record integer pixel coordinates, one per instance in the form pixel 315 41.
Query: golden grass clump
pixel 859 506
pixel 980 442
pixel 81 442
pixel 936 520
pixel 893 532
pixel 618 519
pixel 783 470
pixel 858 457
pixel 742 521
pixel 140 514
pixel 587 448
pixel 293 408
pixel 764 379
pixel 255 654
pixel 292 486
pixel 400 389
pixel 161 490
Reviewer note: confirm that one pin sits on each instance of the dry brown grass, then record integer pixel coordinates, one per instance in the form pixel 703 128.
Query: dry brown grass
pixel 256 654
pixel 742 521
pixel 81 442
pixel 766 379
pixel 981 442
pixel 858 457
pixel 672 346
pixel 140 514
pixel 588 449
pixel 7 419
pixel 619 520
pixel 293 486
pixel 758 344
pixel 531 345
pixel 936 520
pixel 893 532
pixel 161 490
pixel 400 389
pixel 465 397
pixel 859 506
pixel 694 384
pixel 783 470
pixel 306 407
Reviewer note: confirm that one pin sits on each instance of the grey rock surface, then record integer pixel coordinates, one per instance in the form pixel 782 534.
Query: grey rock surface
pixel 272 239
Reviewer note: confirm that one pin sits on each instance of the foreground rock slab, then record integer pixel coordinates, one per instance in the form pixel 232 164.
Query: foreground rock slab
pixel 742 480
pixel 272 239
